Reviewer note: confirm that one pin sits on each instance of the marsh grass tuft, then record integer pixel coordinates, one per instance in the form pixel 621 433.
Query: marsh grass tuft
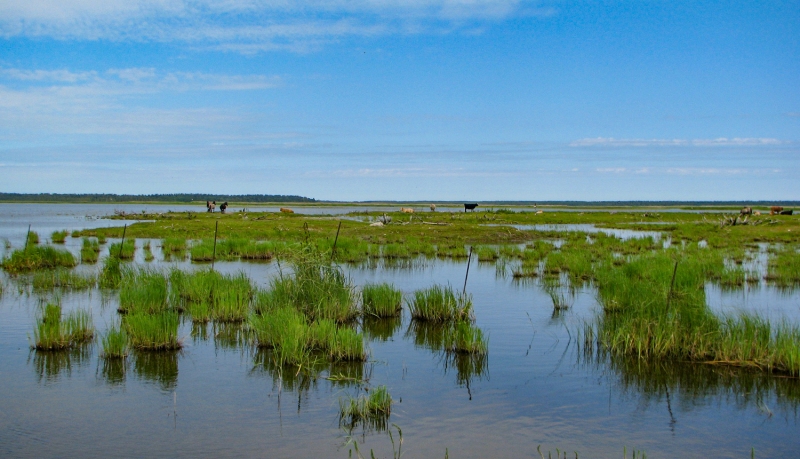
pixel 381 300
pixel 52 332
pixel 90 251
pixel 115 343
pixel 36 257
pixel 62 278
pixel 128 249
pixel 440 304
pixel 209 295
pixel 373 409
pixel 143 291
pixel 59 237
pixel 153 332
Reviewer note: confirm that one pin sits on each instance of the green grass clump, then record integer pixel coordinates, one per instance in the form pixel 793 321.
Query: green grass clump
pixel 732 277
pixel 285 331
pixel 649 316
pixel 90 251
pixel 101 239
pixel 143 291
pixel 202 251
pixel 152 332
pixel 52 332
pixel 784 267
pixel 59 237
pixel 148 252
pixel 35 258
pixel 128 249
pixel 510 251
pixel 440 304
pixel 209 295
pixel 465 338
pixel 381 300
pixel 115 343
pixel 393 251
pixel 259 251
pixel 32 239
pixel 111 274
pixel 62 278
pixel 172 245
pixel 373 409
pixel 452 251
pixel 486 253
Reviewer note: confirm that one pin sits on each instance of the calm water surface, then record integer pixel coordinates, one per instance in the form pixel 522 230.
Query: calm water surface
pixel 216 399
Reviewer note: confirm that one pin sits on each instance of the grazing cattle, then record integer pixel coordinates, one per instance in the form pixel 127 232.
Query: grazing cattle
pixel 470 207
pixel 287 210
pixel 223 206
pixel 433 207
pixel 786 212
pixel 210 206
pixel 775 210
pixel 756 213
pixel 746 211
pixel 407 210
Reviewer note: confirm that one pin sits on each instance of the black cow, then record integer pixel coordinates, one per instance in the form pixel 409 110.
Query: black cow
pixel 470 207
pixel 223 206
pixel 786 212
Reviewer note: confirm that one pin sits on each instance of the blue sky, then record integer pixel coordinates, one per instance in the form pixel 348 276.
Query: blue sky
pixel 403 100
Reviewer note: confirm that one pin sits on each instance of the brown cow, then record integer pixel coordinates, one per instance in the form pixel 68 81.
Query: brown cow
pixel 407 210
pixel 775 210
pixel 287 210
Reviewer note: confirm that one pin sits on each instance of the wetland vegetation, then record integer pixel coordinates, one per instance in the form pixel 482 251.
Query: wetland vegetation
pixel 311 318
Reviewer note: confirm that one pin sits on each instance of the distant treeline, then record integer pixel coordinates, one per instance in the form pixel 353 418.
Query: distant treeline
pixel 171 198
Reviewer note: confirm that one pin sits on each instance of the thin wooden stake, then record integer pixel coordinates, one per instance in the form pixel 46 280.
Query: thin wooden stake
pixel 214 255
pixel 333 251
pixel 672 284
pixel 469 259
pixel 122 243
pixel 27 236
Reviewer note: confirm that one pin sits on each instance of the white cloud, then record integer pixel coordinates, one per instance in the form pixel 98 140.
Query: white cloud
pixel 718 142
pixel 247 25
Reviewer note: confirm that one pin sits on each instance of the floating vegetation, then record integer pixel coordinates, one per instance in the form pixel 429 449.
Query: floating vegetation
pixel 62 278
pixel 440 304
pixel 59 237
pixel 90 251
pixel 373 409
pixel 52 332
pixel 152 332
pixel 124 250
pixel 36 257
pixel 381 300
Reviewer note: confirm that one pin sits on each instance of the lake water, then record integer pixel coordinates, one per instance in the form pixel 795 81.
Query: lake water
pixel 537 386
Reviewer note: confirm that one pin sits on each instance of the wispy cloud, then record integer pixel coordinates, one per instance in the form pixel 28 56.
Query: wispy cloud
pixel 406 172
pixel 250 25
pixel 718 142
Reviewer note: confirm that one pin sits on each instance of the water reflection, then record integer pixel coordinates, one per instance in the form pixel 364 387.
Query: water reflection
pixel 229 335
pixel 51 365
pixel 157 367
pixel 113 371
pixel 688 385
pixel 469 367
pixel 381 329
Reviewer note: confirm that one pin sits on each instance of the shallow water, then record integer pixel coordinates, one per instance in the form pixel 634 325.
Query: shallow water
pixel 214 398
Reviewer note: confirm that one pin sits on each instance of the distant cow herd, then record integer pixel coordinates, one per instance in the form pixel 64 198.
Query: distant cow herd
pixel 773 210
